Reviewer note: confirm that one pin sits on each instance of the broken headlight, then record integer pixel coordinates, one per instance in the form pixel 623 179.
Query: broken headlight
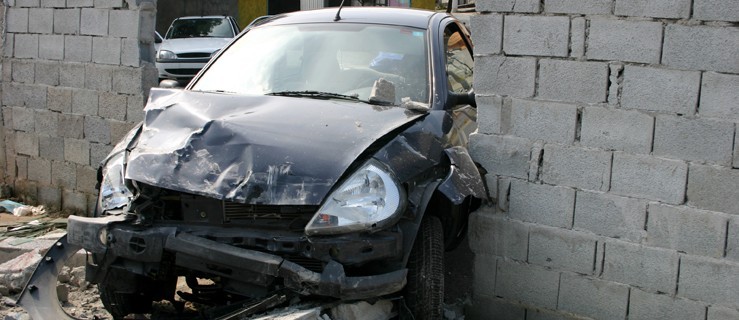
pixel 370 199
pixel 113 190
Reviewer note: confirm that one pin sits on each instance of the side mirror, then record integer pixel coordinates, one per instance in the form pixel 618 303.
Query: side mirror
pixel 169 84
pixel 457 98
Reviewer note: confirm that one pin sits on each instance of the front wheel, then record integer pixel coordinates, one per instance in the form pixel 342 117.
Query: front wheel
pixel 424 292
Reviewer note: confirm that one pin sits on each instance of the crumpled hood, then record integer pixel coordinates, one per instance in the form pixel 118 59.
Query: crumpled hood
pixel 254 149
pixel 185 45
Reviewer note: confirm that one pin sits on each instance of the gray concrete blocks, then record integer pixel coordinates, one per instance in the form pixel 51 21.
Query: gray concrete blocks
pixel 646 306
pixel 649 177
pixel 97 129
pixel 540 120
pixel 51 148
pixel 576 81
pixel 675 9
pixel 610 215
pixel 687 230
pixel 709 280
pixel 501 308
pixel 578 7
pixel 536 35
pixel 624 40
pixel 27 3
pixel 79 3
pixel 47 73
pixel 701 48
pixel 77 151
pixel 562 249
pixel 67 21
pixel 17 20
pixel 502 155
pixel 735 164
pixel 86 181
pixel 26 46
pixel 527 283
pixel 495 234
pixel 50 196
pixel 581 168
pixel 124 23
pixel 71 126
pixel 713 188
pixel 719 94
pixel 72 75
pixel 84 102
pixel 98 152
pixel 59 99
pixel 94 22
pixel 662 90
pixel 135 108
pixel 128 80
pixel 75 201
pixel 721 313
pixel 18 95
pixel 51 47
pixel 490 38
pixel 717 10
pixel 26 143
pixel 694 139
pixel 577 37
pixel 39 170
pixel 47 123
pixel 23 119
pixel 112 106
pixel 617 129
pixel 106 50
pixel 485 266
pixel 490 114
pixel 40 20
pixel 502 75
pixel 527 6
pixel 8 45
pixel 593 298
pixel 653 269
pixel 131 53
pixel 23 71
pixel 78 48
pixel 53 3
pixel 108 3
pixel 543 204
pixel 98 77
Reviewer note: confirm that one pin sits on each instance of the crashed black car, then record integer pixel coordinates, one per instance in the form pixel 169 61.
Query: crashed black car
pixel 321 153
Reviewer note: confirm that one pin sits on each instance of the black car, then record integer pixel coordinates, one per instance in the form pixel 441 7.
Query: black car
pixel 322 153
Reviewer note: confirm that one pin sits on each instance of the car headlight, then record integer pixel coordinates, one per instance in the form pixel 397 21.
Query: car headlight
pixel 370 199
pixel 214 53
pixel 113 190
pixel 166 55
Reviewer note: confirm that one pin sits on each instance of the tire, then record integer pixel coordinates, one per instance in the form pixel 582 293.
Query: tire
pixel 121 302
pixel 424 292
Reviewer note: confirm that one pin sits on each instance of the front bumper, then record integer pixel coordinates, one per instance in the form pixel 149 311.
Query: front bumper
pixel 101 235
pixel 177 70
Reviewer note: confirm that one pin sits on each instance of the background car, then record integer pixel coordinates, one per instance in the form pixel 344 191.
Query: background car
pixel 190 42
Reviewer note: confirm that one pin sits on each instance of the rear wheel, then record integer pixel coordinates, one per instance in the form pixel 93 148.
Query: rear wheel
pixel 424 292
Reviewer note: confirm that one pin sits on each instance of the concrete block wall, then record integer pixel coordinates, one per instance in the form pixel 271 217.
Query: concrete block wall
pixel 610 133
pixel 75 77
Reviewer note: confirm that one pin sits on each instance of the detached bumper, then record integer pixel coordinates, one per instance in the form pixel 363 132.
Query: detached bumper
pixel 147 245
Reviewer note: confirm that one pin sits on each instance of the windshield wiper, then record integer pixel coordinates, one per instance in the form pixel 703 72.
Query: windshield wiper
pixel 314 94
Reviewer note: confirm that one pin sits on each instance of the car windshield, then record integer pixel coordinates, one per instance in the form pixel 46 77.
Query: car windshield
pixel 200 27
pixel 334 58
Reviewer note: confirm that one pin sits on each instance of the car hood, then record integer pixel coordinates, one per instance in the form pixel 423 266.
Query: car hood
pixel 254 149
pixel 194 44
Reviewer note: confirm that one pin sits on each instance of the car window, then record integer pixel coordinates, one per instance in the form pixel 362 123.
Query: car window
pixel 459 62
pixel 197 28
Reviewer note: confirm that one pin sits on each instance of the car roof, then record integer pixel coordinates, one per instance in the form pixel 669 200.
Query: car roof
pixel 381 15
pixel 201 17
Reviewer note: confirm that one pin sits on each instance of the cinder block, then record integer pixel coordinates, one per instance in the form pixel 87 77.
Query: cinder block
pixel 494 234
pixel 722 313
pixel 653 89
pixel 18 95
pixel 47 73
pixel 39 170
pixel 47 123
pixel 74 201
pixel 79 3
pixel 97 129
pixel 23 71
pixel 106 50
pixel 86 181
pixel 611 216
pixel 51 47
pixel 490 114
pixel 50 196
pixel 94 21
pixel 502 155
pixel 40 20
pixel 67 21
pixel 624 40
pixel 735 164
pixel 112 106
pixel 84 102
pixel 51 148
pixel 544 204
pixel 124 23
pixel 687 230
pixel 77 151
pixel 573 81
pixel 489 307
pixel 653 269
pixel 9 45
pixel 713 188
pixel 536 35
pixel 71 126
pixel 98 152
pixel 108 4
pixel 27 3
pixel 562 249
pixel 540 120
pixel 527 6
pixel 578 7
pixel 21 167
pixel 488 33
pixel 594 298
pixel 719 94
pixel 527 283
pixel 53 3
pixel 484 274
pixel 135 108
pixel 577 167
pixel 617 129
pixel 694 139
pixel 72 75
pixel 675 9
pixel 648 306
pixel 23 119
pixel 577 37
pixel 701 48
pixel 59 99
pixel 17 20
pixel 131 52
pixel 119 129
pixel 78 48
pixel 506 76
pixel 709 280
pixel 127 80
pixel 26 46
pixel 98 77
pixel 649 177
pixel 717 10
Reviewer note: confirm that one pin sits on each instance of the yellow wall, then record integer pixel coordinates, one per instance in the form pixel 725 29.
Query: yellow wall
pixel 250 10
pixel 424 4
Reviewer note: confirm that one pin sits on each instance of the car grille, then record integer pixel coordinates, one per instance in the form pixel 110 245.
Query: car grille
pixel 194 55
pixel 183 72
pixel 297 216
